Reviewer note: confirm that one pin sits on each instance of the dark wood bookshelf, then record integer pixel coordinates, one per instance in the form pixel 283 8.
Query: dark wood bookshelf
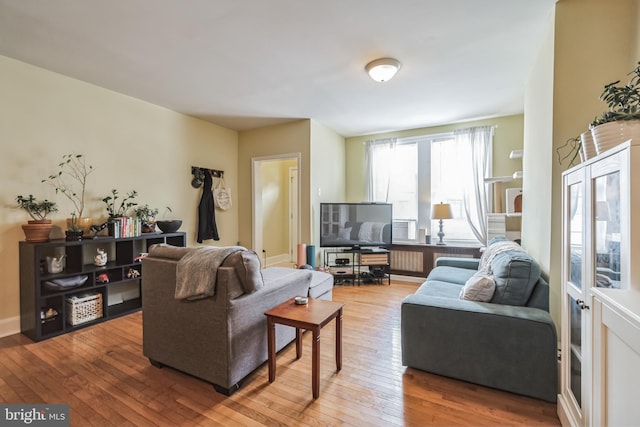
pixel 119 296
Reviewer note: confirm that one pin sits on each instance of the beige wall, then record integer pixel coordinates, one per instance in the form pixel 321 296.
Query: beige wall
pixel 327 172
pixel 635 37
pixel 266 142
pixel 275 206
pixel 594 42
pixel 508 136
pixel 132 145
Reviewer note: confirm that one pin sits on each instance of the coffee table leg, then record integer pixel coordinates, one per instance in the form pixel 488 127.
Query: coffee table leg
pixel 315 363
pixel 271 347
pixel 298 343
pixel 339 340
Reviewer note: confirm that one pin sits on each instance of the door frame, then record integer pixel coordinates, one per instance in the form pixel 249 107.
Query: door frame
pixel 294 213
pixel 256 196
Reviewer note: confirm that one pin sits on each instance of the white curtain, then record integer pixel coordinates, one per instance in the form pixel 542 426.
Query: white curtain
pixel 379 156
pixel 478 140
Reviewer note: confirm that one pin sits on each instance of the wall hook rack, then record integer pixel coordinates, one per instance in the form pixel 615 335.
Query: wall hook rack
pixel 198 175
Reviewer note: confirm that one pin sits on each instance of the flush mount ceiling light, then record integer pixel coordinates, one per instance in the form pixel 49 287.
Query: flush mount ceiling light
pixel 382 69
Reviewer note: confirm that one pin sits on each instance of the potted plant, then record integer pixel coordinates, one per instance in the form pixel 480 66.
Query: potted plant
pixel 168 225
pixel 147 217
pixel 622 121
pixel 71 181
pixel 73 231
pixel 38 228
pixel 117 209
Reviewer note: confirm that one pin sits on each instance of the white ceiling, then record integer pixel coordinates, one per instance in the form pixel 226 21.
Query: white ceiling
pixel 249 63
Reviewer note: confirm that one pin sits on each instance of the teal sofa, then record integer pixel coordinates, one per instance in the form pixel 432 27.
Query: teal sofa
pixel 508 343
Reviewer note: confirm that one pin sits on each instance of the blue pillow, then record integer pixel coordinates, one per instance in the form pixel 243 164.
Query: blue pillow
pixel 515 273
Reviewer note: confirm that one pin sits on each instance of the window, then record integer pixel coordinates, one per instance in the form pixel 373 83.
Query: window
pixel 396 181
pixel 412 173
pixel 448 180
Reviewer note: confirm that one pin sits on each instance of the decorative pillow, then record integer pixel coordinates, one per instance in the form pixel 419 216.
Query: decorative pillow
pixel 516 274
pixel 478 288
pixel 344 233
pixel 252 280
pixel 247 266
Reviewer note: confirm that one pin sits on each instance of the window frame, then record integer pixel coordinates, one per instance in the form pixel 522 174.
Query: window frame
pixel 423 191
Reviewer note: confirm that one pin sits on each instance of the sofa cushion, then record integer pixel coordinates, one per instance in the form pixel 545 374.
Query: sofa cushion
pixel 479 287
pixel 441 289
pixel 455 275
pixel 321 282
pixel 247 266
pixel 515 274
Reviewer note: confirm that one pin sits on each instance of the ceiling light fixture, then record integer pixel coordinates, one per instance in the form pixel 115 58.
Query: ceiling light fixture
pixel 383 69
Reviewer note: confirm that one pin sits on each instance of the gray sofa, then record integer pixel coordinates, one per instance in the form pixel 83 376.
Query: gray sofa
pixel 508 342
pixel 222 338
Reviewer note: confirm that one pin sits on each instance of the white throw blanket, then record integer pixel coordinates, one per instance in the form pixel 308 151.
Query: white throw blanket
pixel 197 271
pixel 484 267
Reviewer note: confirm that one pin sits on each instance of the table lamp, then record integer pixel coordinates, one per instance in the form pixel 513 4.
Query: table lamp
pixel 440 212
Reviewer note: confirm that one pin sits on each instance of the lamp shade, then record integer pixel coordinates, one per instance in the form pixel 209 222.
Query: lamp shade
pixel 441 211
pixel 382 69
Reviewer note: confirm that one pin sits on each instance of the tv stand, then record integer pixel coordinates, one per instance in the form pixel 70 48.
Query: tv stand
pixel 364 250
pixel 358 266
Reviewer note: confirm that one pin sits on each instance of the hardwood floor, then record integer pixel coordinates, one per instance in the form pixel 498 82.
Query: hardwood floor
pixel 101 373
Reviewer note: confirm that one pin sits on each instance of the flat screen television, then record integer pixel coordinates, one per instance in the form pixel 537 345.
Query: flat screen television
pixel 355 225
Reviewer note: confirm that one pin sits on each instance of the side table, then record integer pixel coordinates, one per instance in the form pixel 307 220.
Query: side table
pixel 311 317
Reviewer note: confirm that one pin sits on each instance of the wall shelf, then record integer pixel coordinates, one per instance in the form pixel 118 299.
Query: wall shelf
pixel 516 154
pixel 493 179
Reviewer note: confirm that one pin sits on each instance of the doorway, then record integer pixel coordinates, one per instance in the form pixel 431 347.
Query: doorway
pixel 276 206
pixel 293 213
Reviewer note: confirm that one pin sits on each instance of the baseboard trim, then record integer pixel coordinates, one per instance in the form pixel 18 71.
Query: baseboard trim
pixel 412 279
pixel 277 259
pixel 9 326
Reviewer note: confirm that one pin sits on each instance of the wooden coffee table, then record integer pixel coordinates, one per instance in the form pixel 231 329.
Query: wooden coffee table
pixel 311 317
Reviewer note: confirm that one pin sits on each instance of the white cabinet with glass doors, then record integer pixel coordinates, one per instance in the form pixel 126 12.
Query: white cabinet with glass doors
pixel 599 246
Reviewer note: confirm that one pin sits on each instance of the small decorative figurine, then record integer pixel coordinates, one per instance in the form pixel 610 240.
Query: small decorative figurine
pixel 101 259
pixel 133 273
pixel 98 228
pixel 102 278
pixel 49 314
pixel 55 264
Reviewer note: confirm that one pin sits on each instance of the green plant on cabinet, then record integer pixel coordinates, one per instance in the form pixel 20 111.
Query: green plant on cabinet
pixel 119 209
pixel 38 210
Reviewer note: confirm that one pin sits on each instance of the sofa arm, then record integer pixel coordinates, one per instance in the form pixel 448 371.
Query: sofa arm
pixel 468 263
pixel 505 347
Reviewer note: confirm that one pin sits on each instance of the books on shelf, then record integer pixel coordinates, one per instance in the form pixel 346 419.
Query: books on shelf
pixel 125 226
